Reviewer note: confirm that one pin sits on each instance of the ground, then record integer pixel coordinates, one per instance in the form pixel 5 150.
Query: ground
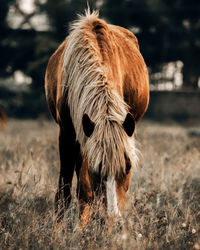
pixel 163 208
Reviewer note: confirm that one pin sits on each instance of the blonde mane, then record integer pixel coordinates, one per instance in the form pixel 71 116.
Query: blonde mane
pixel 87 88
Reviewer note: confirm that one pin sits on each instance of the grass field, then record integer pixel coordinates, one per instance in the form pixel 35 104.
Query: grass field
pixel 163 203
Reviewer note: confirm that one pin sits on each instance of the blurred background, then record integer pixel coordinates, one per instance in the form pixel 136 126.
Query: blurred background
pixel 169 37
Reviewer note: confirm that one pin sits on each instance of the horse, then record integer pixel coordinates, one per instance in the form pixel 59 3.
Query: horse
pixel 3 119
pixel 97 89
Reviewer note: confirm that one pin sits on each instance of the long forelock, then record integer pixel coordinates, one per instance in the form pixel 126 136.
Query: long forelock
pixel 88 92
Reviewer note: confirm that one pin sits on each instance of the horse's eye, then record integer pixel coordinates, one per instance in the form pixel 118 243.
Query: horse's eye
pixel 128 164
pixel 129 124
pixel 88 125
pixel 128 167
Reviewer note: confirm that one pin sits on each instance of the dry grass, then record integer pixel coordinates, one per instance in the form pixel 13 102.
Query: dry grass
pixel 163 209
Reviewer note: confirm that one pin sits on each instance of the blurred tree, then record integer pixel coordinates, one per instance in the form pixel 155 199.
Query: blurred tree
pixel 4 31
pixel 168 30
pixel 3 14
pixel 187 38
pixel 62 12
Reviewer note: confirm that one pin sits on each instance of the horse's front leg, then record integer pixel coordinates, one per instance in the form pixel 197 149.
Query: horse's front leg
pixel 84 191
pixel 67 150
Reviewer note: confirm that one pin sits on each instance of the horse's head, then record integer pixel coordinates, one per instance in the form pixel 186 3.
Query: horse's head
pixel 110 154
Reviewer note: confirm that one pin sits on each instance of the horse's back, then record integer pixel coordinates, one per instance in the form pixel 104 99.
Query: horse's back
pixel 132 74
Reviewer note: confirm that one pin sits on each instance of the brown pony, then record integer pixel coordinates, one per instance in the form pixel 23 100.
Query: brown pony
pixel 97 89
pixel 3 119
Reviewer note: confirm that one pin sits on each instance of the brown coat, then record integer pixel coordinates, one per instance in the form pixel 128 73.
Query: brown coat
pixel 97 89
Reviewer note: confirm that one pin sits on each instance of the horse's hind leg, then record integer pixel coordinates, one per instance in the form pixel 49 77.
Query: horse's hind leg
pixel 67 149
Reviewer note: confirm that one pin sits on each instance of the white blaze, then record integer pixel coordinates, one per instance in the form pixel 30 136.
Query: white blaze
pixel 112 207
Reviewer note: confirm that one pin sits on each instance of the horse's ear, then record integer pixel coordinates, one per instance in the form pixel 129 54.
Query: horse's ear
pixel 88 125
pixel 129 124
